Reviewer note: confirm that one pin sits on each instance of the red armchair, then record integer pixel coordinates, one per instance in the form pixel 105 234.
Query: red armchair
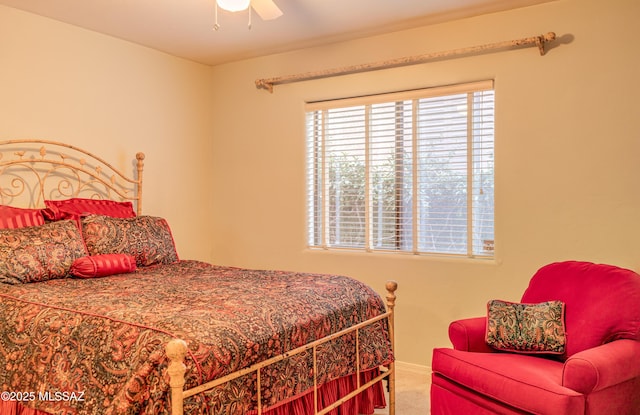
pixel 598 373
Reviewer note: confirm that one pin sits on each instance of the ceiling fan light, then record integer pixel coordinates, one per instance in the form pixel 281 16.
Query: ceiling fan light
pixel 233 5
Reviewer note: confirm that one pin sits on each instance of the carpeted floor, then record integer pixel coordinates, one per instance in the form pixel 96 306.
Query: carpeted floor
pixel 412 391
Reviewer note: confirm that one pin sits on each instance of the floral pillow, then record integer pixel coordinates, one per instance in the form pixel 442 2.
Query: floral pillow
pixel 39 253
pixel 526 328
pixel 13 217
pixel 147 238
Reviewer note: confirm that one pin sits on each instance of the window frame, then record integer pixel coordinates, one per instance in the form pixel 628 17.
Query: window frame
pixel 317 222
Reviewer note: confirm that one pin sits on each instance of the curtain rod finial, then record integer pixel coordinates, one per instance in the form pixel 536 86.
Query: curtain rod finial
pixel 264 84
pixel 542 39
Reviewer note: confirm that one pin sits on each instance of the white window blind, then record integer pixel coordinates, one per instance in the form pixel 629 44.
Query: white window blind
pixel 407 172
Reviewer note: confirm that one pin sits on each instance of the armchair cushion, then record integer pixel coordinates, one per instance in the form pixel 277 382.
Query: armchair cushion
pixel 529 383
pixel 526 328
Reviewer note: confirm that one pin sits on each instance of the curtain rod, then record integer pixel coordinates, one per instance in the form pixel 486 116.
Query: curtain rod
pixel 539 41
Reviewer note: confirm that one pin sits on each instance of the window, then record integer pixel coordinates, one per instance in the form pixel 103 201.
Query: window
pixel 403 172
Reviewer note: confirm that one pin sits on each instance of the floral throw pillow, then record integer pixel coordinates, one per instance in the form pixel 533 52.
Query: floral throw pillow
pixel 147 238
pixel 526 328
pixel 39 253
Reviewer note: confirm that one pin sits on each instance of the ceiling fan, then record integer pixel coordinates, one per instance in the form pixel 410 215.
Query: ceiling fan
pixel 266 9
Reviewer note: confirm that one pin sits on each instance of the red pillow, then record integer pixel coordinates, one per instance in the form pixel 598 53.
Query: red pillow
pixel 76 208
pixel 14 218
pixel 103 265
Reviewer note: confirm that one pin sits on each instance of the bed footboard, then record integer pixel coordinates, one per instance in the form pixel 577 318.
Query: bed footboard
pixel 176 351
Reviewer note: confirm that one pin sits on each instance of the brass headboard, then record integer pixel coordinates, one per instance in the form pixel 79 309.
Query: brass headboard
pixel 34 170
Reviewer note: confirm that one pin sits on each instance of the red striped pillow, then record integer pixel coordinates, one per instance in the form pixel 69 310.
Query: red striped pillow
pixel 77 207
pixel 14 218
pixel 103 265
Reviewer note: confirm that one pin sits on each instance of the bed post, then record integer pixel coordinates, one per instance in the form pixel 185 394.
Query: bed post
pixel 139 168
pixel 176 350
pixel 391 287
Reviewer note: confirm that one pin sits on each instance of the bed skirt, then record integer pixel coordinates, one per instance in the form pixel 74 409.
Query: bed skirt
pixel 365 403
pixel 15 408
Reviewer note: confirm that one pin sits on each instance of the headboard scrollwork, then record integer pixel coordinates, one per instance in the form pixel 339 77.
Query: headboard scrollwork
pixel 34 170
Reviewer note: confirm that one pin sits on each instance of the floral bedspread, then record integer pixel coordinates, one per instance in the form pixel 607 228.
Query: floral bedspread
pixel 96 346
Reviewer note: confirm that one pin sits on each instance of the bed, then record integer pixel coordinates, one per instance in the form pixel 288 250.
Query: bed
pixel 99 315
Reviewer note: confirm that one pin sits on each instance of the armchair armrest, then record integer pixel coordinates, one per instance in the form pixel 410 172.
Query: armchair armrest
pixel 469 335
pixel 602 366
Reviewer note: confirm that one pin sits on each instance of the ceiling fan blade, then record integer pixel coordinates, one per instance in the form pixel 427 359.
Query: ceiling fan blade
pixel 266 9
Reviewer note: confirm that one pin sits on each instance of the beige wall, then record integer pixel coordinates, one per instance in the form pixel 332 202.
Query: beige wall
pixel 114 98
pixel 225 162
pixel 567 157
